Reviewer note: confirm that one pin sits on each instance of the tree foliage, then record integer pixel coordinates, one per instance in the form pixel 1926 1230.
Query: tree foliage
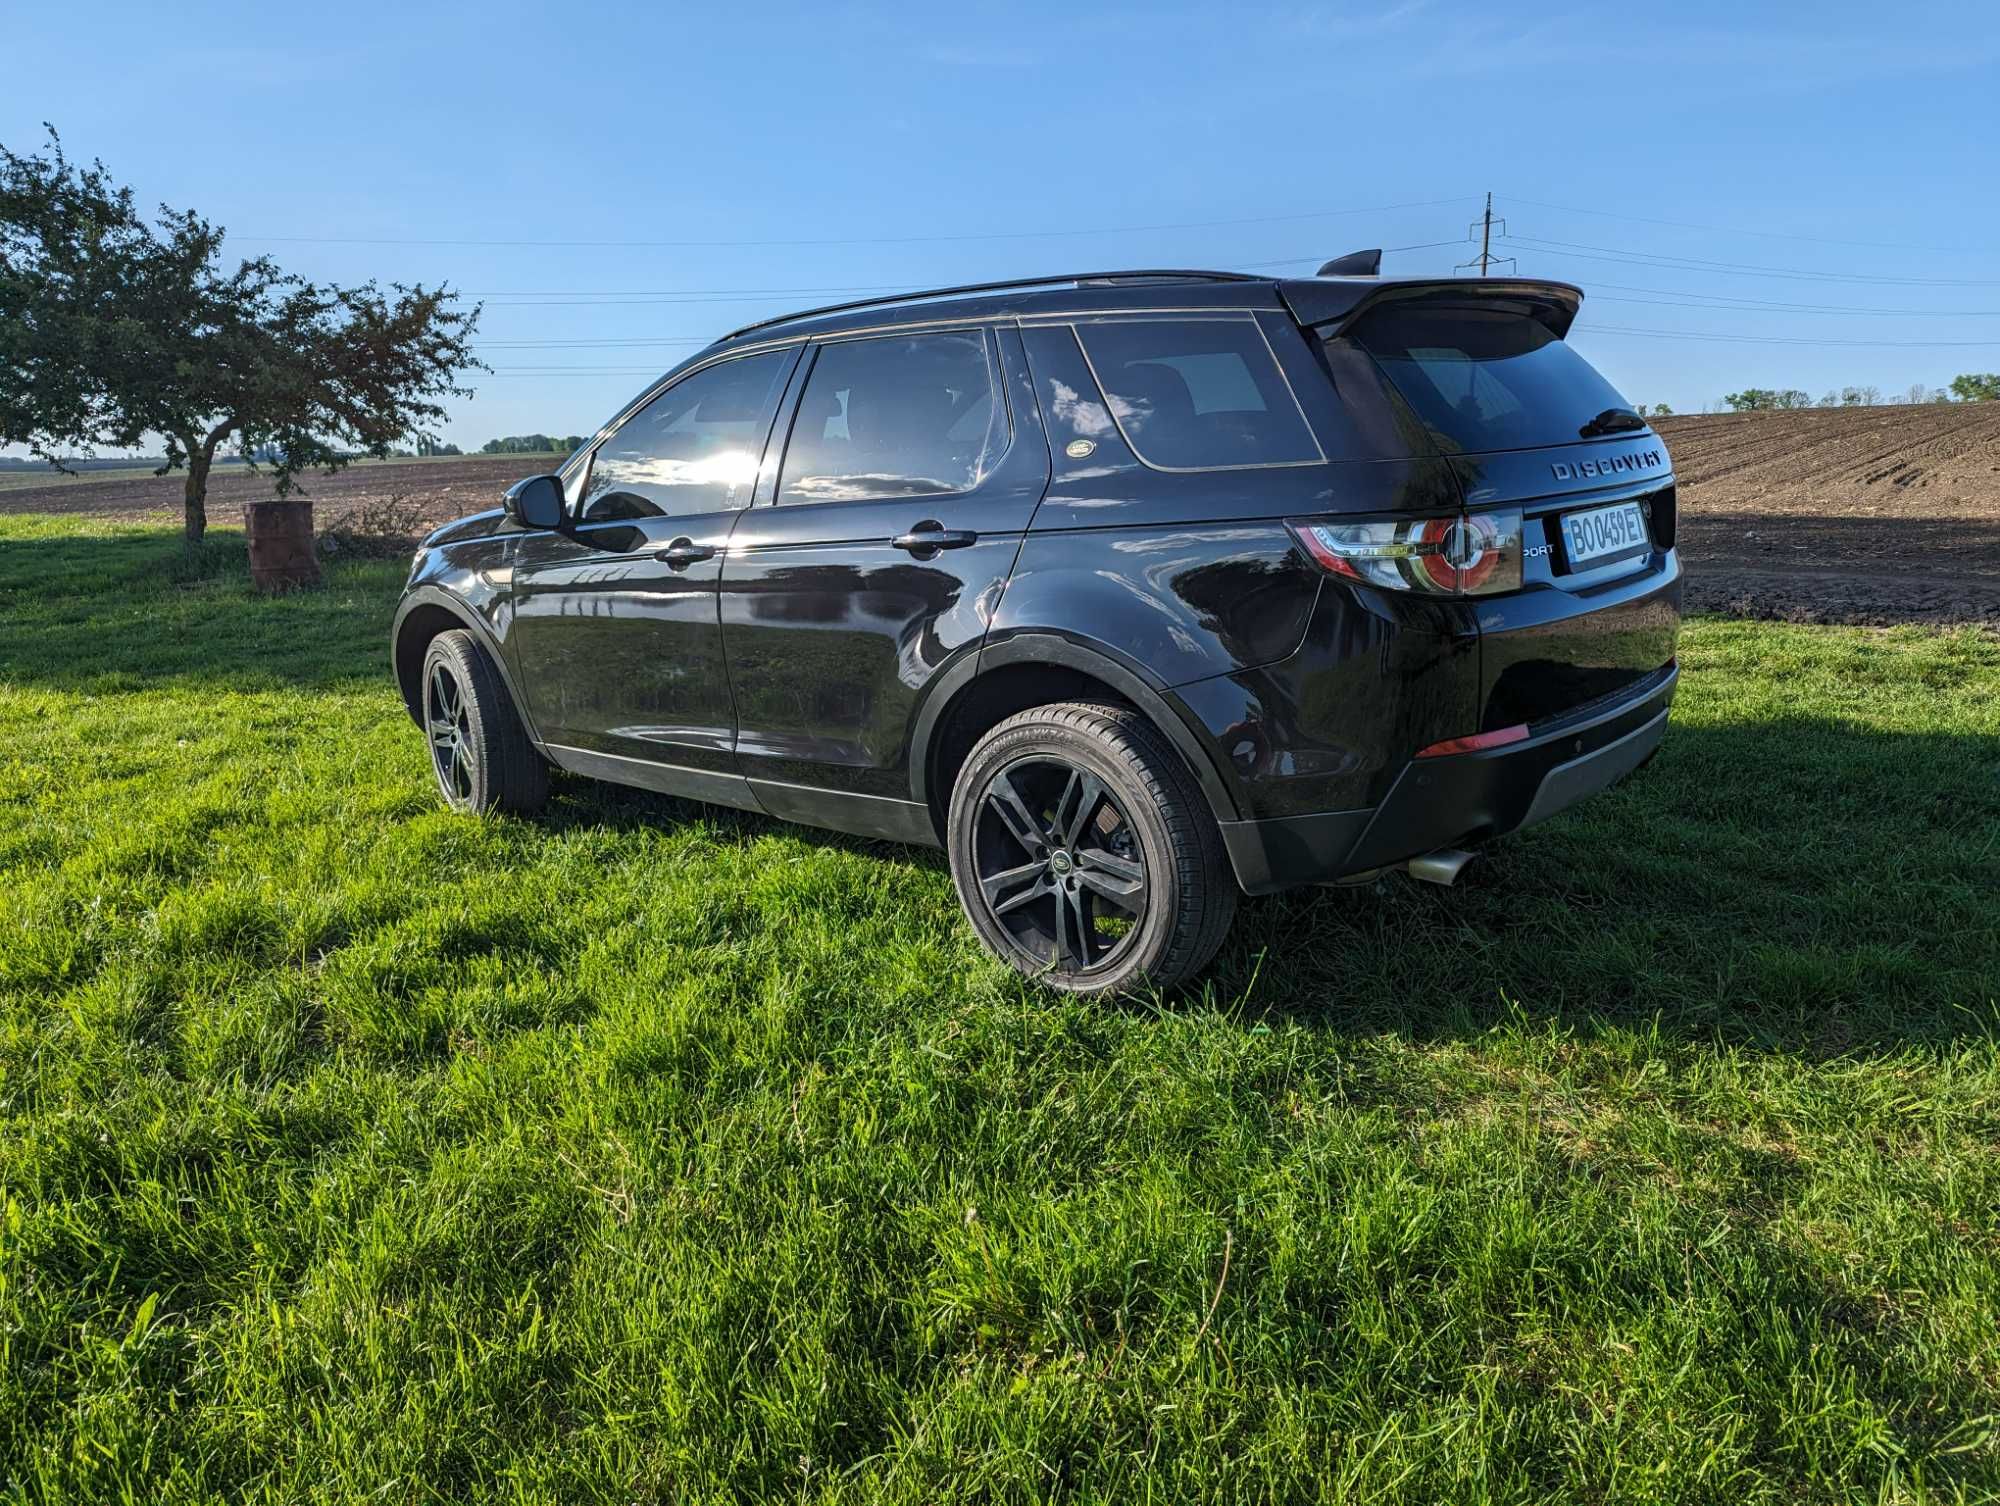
pixel 1755 399
pixel 113 328
pixel 533 444
pixel 1976 387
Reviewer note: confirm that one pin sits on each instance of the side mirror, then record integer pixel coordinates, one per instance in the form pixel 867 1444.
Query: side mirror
pixel 536 502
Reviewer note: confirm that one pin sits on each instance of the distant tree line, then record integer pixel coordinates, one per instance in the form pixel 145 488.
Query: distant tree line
pixel 1968 387
pixel 533 444
pixel 425 445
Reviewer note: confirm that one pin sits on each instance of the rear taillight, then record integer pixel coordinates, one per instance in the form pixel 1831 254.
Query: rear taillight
pixel 1467 554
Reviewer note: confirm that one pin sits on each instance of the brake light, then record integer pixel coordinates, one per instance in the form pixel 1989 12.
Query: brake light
pixel 1478 740
pixel 1465 554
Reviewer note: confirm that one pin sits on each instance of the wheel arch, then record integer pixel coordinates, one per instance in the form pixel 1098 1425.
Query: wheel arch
pixel 1032 669
pixel 423 615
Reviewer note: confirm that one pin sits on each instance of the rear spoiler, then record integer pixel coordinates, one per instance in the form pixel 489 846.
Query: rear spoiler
pixel 1331 304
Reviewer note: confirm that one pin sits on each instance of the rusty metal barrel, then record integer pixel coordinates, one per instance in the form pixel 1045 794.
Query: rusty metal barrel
pixel 281 545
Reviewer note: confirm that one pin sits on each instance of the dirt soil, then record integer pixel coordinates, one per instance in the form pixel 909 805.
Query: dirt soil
pixel 1869 515
pixel 1872 515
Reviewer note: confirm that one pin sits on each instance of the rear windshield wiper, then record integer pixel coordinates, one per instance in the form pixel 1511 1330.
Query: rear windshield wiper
pixel 1612 421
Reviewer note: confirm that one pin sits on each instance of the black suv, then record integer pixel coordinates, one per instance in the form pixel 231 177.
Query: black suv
pixel 1132 590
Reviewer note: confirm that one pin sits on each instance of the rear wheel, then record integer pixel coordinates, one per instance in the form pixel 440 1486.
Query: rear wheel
pixel 1084 853
pixel 480 754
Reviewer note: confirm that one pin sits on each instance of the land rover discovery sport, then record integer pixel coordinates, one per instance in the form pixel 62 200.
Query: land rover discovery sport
pixel 1134 591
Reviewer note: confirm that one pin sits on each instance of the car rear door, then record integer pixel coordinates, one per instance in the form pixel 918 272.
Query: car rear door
pixel 911 464
pixel 614 632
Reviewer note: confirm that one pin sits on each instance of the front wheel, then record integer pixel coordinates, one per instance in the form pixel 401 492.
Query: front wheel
pixel 1084 853
pixel 481 757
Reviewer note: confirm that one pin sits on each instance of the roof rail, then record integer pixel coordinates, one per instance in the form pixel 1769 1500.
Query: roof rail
pixel 1081 279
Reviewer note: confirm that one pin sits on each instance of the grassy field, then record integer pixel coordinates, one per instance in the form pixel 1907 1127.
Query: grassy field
pixel 354 1150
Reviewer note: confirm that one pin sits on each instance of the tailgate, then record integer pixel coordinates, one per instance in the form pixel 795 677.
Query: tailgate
pixel 1524 422
pixel 1599 608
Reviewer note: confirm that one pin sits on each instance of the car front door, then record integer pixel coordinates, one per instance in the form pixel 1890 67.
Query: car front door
pixel 911 467
pixel 614 633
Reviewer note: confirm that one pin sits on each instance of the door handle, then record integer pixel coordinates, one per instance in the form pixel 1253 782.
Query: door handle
pixel 684 552
pixel 929 537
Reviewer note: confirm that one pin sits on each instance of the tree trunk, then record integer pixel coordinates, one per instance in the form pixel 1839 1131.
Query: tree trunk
pixel 196 496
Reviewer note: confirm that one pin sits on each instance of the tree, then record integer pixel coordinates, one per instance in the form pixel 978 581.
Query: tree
pixel 532 444
pixel 1756 399
pixel 112 328
pixel 1977 387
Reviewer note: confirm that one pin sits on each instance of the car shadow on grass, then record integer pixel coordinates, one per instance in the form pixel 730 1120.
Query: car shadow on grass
pixel 1804 885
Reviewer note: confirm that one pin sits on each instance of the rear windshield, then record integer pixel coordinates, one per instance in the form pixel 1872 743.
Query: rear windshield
pixel 1490 379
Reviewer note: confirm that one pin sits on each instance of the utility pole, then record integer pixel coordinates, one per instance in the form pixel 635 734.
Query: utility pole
pixel 1484 226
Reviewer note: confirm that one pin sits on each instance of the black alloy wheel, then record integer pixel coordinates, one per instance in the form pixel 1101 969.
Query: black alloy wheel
pixel 1084 852
pixel 481 756
pixel 1059 865
pixel 448 721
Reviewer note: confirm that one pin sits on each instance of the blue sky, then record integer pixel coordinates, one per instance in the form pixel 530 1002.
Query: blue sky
pixel 831 146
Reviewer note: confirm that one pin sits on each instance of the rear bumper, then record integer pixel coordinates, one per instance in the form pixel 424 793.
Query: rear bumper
pixel 1462 798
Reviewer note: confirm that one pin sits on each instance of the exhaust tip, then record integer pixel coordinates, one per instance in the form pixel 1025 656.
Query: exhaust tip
pixel 1440 867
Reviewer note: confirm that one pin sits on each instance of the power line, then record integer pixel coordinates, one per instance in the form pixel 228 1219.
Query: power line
pixel 1781 235
pixel 863 240
pixel 759 295
pixel 579 344
pixel 1722 300
pixel 1737 308
pixel 689 295
pixel 1625 257
pixel 1717 335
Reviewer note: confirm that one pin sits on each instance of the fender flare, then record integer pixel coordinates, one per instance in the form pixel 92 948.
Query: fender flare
pixel 1152 699
pixel 469 619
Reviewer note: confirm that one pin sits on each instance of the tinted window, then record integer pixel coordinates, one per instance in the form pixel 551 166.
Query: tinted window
pixel 1486 379
pixel 1198 393
pixel 693 449
pixel 901 416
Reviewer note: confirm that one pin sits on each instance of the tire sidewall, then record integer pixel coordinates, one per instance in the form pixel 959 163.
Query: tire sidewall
pixel 1012 745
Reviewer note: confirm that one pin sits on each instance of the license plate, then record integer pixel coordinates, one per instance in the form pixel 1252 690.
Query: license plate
pixel 1603 532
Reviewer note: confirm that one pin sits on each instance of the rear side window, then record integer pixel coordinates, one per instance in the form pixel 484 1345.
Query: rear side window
pixel 1486 378
pixel 1198 394
pixel 895 416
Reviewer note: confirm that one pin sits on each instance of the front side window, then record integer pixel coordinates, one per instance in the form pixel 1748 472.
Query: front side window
pixel 895 416
pixel 693 449
pixel 1198 394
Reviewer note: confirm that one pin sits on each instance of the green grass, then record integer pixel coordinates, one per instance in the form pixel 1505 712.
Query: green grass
pixel 354 1150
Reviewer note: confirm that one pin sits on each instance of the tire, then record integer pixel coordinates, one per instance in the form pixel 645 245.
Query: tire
pixel 1058 812
pixel 481 758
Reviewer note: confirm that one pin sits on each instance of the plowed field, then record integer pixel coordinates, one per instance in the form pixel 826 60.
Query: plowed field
pixel 1842 515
